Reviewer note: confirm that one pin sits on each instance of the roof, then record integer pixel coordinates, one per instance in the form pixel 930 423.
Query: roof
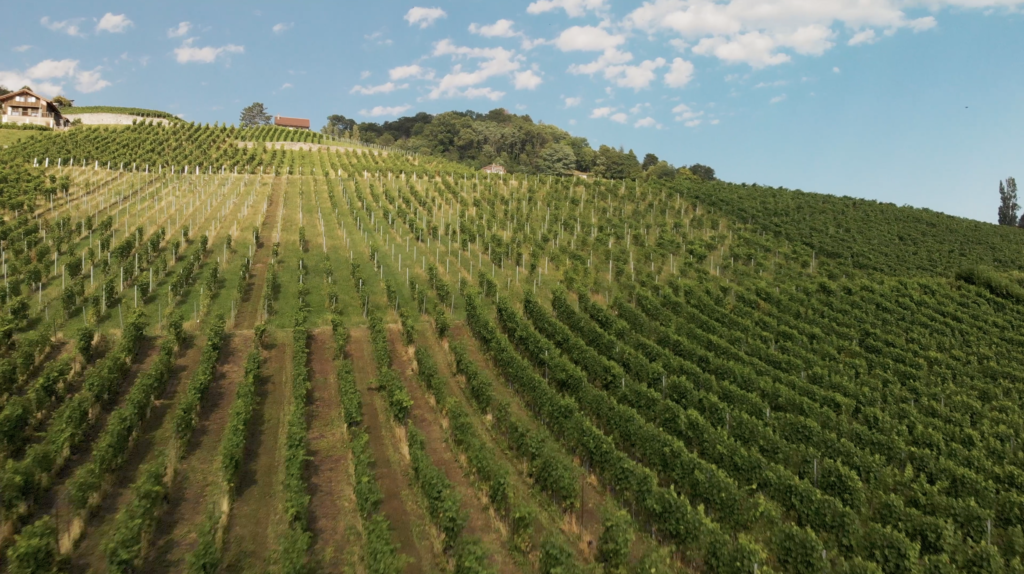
pixel 493 168
pixel 291 122
pixel 24 91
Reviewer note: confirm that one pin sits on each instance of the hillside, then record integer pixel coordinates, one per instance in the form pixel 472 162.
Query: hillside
pixel 309 360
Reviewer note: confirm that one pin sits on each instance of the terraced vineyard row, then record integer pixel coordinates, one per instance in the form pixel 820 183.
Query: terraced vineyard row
pixel 387 364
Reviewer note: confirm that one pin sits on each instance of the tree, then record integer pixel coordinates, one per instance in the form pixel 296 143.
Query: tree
pixel 557 159
pixel 661 170
pixel 650 160
pixel 702 171
pixel 4 91
pixel 1008 206
pixel 254 115
pixel 61 102
pixel 338 125
pixel 615 164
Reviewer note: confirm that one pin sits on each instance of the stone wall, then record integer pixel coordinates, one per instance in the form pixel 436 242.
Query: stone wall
pixel 111 119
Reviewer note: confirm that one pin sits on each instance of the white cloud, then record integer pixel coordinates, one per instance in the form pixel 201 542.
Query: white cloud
pixel 16 79
pixel 836 69
pixel 863 37
pixel 679 44
pixel 490 94
pixel 204 55
pixel 500 29
pixel 922 24
pixel 763 33
pixel 52 69
pixel 47 77
pixel 612 66
pixel 90 81
pixel 713 122
pixel 679 74
pixel 778 99
pixel 527 80
pixel 693 123
pixel 587 39
pixel 811 40
pixel 286 86
pixel 574 8
pixel 610 57
pixel 378 38
pixel 22 48
pixel 385 111
pixel 181 30
pixel 411 71
pixel 775 84
pixel 754 49
pixel 69 27
pixel 619 117
pixel 638 108
pixel 527 44
pixel 636 77
pixel 381 89
pixel 685 114
pixel 364 74
pixel 113 23
pixel 424 16
pixel 601 112
pixel 495 62
pixel 647 122
pixel 573 102
pixel 282 27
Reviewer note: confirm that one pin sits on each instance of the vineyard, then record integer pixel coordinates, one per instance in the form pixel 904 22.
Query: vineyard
pixel 220 358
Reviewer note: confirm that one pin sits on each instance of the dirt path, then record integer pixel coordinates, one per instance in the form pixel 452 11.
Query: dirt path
pixel 255 520
pixel 585 524
pixel 332 508
pixel 249 307
pixel 388 475
pixel 155 434
pixel 198 477
pixel 424 416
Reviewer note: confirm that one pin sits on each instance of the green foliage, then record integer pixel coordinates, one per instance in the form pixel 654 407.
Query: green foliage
pixel 703 172
pixel 557 558
pixel 186 416
pixel 996 284
pixel 296 539
pixel 232 447
pixel 613 545
pixel 35 549
pixel 113 445
pixel 443 504
pixel 126 544
pixel 254 115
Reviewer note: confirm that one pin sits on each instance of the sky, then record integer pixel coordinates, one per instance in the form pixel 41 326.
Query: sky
pixel 917 102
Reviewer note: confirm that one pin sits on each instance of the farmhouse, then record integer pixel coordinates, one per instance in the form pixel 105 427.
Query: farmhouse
pixel 291 123
pixel 493 168
pixel 26 107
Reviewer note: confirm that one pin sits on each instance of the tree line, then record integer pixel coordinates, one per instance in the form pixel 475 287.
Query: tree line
pixel 513 141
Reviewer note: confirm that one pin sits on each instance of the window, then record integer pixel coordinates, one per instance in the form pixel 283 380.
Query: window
pixel 19 98
pixel 31 99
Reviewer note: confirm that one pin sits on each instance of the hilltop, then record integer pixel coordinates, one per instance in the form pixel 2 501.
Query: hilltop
pixel 219 354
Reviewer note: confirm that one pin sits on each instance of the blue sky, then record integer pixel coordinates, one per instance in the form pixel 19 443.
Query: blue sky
pixel 915 102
